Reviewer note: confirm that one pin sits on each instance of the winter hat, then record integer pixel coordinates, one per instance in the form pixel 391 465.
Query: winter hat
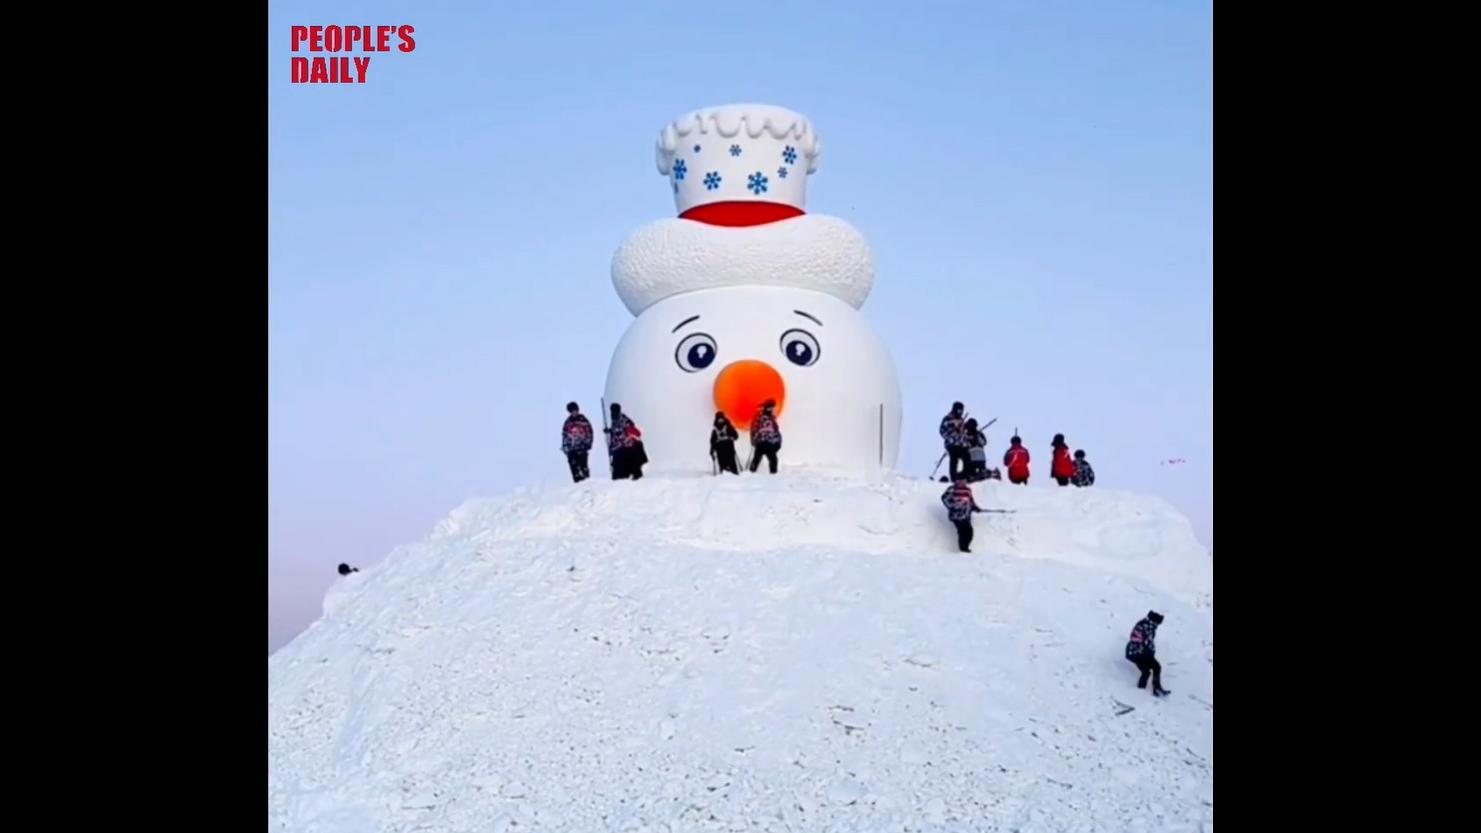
pixel 957 406
pixel 572 407
pixel 971 425
pixel 1079 455
pixel 615 409
pixel 755 155
pixel 1016 441
pixel 1058 439
pixel 1155 617
pixel 741 169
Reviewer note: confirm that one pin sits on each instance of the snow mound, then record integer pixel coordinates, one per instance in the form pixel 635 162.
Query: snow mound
pixel 759 653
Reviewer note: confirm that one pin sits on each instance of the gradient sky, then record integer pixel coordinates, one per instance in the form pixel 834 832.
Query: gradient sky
pixel 1035 179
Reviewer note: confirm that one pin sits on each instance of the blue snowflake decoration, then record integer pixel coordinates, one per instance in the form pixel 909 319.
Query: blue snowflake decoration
pixel 757 183
pixel 712 181
pixel 680 169
pixel 735 150
pixel 696 148
pixel 790 155
pixel 781 172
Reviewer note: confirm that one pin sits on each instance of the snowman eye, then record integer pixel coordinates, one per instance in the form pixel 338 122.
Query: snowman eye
pixel 695 352
pixel 800 347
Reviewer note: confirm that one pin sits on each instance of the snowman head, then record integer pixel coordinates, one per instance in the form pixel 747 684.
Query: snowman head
pixel 733 349
pixel 745 298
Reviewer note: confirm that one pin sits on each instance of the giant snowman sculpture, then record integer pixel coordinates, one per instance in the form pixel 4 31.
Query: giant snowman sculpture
pixel 745 297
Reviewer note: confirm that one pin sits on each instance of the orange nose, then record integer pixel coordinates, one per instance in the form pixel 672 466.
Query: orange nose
pixel 742 386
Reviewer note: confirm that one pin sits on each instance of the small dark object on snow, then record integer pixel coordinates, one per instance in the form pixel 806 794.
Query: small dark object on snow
pixel 345 569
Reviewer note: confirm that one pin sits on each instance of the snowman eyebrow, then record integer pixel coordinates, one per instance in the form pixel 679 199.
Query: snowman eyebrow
pixel 685 321
pixel 805 315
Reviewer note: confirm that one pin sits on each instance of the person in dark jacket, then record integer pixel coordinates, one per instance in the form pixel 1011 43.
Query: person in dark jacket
pixel 576 437
pixel 766 436
pixel 954 437
pixel 1016 459
pixel 722 443
pixel 1141 649
pixel 1084 474
pixel 626 444
pixel 960 505
pixel 1063 468
pixel 976 451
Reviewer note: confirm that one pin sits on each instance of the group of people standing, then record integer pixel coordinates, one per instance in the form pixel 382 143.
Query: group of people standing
pixel 766 440
pixel 625 442
pixel 966 445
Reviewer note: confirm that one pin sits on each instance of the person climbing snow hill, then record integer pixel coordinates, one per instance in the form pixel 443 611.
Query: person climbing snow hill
pixel 1063 467
pixel 722 443
pixel 1084 474
pixel 1016 459
pixel 766 436
pixel 576 438
pixel 954 438
pixel 960 505
pixel 1141 649
pixel 626 444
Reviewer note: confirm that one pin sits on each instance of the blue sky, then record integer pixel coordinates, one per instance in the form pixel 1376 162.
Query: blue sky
pixel 1035 179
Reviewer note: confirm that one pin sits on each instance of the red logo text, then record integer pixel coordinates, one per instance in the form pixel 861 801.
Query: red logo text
pixel 344 69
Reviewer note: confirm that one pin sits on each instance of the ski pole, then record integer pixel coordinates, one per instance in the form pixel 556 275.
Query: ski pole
pixel 938 465
pixel 607 439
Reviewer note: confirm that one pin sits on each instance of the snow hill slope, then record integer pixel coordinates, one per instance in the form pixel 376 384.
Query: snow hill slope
pixel 788 653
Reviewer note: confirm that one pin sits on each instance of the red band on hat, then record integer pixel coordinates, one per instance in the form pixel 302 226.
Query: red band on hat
pixel 741 213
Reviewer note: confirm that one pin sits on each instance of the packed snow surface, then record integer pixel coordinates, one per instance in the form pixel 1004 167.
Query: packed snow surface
pixel 789 653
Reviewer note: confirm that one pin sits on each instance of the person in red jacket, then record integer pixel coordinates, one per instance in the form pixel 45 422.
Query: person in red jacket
pixel 1016 459
pixel 1063 467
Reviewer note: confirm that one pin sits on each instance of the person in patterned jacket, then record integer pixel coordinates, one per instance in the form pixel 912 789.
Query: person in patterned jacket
pixel 960 505
pixel 722 443
pixel 576 436
pixel 954 437
pixel 625 442
pixel 766 436
pixel 1141 649
pixel 1084 474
